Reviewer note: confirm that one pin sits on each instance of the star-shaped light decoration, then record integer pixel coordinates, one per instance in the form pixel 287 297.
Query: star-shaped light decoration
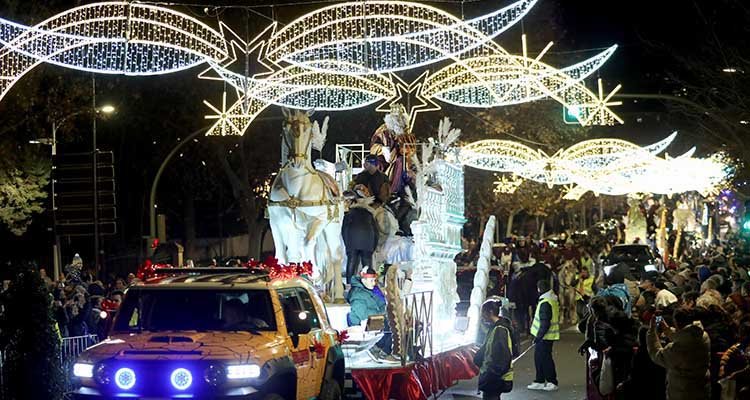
pixel 505 185
pixel 598 112
pixel 251 57
pixel 410 95
pixel 225 125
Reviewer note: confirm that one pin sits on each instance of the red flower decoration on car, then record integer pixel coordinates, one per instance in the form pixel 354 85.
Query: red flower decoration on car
pixel 341 336
pixel 319 349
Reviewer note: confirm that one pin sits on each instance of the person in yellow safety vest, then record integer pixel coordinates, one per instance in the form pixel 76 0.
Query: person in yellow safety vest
pixel 546 331
pixel 585 287
pixel 586 262
pixel 495 356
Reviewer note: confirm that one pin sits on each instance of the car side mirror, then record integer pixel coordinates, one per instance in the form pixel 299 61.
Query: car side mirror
pixel 297 323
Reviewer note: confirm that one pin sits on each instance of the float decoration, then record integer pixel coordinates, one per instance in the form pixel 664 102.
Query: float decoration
pixel 278 271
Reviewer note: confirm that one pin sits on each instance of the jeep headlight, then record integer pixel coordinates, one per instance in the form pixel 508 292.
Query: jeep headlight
pixel 243 371
pixel 83 370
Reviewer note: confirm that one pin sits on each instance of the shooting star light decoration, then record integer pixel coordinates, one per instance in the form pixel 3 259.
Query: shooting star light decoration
pixel 603 166
pixel 338 57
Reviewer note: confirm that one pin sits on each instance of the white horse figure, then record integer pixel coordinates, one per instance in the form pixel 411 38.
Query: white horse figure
pixel 304 208
pixel 566 276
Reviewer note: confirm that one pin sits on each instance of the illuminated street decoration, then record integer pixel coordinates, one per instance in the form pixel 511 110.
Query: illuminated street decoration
pixel 110 38
pixel 299 88
pixel 506 185
pixel 606 166
pixel 385 36
pixel 329 59
pixel 503 79
pixel 403 91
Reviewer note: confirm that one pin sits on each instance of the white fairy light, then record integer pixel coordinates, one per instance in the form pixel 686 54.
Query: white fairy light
pixel 504 79
pixel 606 166
pixel 110 37
pixel 329 59
pixel 506 185
pixel 385 36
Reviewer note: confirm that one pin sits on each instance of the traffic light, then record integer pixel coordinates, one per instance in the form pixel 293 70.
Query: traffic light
pixel 571 115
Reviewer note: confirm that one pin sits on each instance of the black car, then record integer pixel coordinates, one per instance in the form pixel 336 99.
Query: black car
pixel 638 257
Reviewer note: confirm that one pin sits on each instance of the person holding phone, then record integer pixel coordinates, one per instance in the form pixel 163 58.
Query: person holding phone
pixel 686 359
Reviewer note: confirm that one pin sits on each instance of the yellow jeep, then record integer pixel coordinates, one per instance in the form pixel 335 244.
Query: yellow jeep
pixel 229 333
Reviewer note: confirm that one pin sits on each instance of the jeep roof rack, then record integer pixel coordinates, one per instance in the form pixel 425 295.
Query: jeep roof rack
pixel 209 271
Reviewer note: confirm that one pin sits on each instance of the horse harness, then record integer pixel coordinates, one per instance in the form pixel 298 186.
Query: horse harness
pixel 332 205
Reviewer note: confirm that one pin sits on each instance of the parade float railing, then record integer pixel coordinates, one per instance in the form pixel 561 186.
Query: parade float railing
pixel 354 157
pixel 418 340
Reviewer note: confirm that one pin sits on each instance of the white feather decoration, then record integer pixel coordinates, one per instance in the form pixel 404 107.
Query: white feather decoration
pixel 319 134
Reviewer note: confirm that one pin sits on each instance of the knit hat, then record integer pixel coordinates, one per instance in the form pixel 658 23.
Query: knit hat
pixel 368 272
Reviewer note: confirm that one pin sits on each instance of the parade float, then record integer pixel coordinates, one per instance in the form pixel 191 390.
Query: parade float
pixel 342 57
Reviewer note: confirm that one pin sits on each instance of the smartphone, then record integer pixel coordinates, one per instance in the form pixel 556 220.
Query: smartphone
pixel 659 318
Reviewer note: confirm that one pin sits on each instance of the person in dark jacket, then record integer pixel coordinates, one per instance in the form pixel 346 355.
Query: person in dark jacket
pixel 647 381
pixel 360 233
pixel 495 356
pixel 375 180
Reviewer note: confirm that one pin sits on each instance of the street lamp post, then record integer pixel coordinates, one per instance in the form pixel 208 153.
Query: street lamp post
pixel 52 142
pixel 107 109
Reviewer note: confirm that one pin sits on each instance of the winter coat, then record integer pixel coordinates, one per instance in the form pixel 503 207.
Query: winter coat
pixel 620 291
pixel 77 323
pixel 364 302
pixel 386 223
pixel 686 360
pixel 359 230
pixel 494 360
pixel 378 183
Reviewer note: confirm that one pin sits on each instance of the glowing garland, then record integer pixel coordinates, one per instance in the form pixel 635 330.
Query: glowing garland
pixel 504 79
pixel 506 185
pixel 331 58
pixel 385 36
pixel 607 166
pixel 111 37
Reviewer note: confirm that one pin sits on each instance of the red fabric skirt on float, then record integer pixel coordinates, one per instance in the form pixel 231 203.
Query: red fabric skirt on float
pixel 418 380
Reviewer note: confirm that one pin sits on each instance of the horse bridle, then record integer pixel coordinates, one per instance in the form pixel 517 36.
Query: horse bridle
pixel 294 127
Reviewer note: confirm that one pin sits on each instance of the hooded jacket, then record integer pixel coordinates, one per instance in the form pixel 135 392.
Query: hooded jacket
pixel 364 302
pixel 686 360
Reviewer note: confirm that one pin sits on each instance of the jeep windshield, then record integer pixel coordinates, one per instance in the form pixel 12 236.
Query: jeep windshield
pixel 166 309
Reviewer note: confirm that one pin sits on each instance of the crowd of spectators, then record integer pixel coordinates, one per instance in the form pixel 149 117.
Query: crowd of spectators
pixel 81 303
pixel 683 333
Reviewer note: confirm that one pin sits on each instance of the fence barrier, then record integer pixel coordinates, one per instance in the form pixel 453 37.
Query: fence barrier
pixel 70 349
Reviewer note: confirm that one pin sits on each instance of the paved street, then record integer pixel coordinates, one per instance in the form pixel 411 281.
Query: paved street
pixel 570 373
